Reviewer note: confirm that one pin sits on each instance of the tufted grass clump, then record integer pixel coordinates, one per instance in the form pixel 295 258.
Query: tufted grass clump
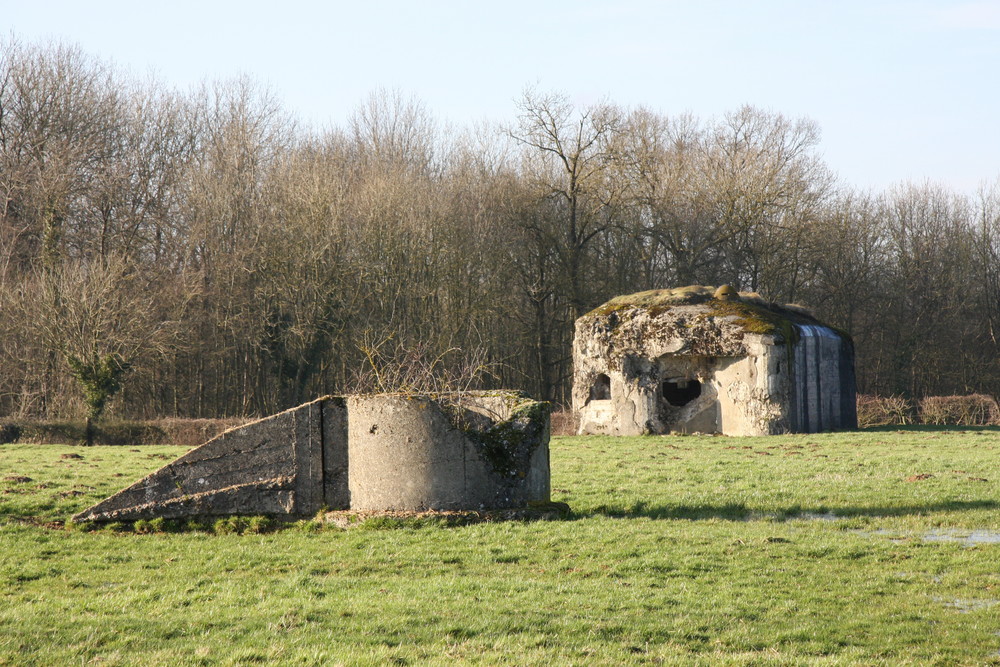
pixel 244 525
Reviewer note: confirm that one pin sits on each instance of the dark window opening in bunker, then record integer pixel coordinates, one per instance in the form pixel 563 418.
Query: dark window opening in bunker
pixel 601 389
pixel 680 392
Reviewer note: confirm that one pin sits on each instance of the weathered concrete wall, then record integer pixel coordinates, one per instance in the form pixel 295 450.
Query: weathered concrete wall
pixel 445 453
pixel 377 452
pixel 335 485
pixel 755 391
pixel 824 394
pixel 270 466
pixel 744 395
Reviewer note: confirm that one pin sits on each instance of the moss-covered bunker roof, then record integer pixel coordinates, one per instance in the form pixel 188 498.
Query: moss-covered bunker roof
pixel 751 311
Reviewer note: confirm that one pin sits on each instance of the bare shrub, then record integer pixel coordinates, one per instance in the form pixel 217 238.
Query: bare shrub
pixel 9 432
pixel 194 432
pixel 185 432
pixel 52 432
pixel 394 367
pixel 971 410
pixel 884 411
pixel 564 422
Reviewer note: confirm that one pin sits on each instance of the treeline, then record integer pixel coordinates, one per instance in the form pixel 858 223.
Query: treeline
pixel 201 253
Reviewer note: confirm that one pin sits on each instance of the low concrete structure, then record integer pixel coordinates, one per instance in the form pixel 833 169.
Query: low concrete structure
pixel 697 359
pixel 446 452
pixel 462 451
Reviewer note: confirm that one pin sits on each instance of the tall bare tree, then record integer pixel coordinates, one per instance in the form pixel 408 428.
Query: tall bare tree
pixel 568 160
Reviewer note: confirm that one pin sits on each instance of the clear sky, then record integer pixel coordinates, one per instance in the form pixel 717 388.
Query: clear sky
pixel 902 89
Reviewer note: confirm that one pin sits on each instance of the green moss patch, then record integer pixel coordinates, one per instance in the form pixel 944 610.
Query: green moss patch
pixel 760 319
pixel 509 444
pixel 389 520
pixel 750 311
pixel 656 299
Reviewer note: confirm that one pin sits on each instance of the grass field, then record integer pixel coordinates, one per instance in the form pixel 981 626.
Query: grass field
pixel 859 548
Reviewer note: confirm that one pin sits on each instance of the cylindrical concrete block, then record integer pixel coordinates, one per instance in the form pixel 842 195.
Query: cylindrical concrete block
pixel 411 452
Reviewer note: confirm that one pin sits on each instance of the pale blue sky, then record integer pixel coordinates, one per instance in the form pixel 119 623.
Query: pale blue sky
pixel 901 90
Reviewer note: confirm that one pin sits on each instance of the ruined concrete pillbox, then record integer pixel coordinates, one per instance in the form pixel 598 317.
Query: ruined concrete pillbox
pixel 701 359
pixel 413 452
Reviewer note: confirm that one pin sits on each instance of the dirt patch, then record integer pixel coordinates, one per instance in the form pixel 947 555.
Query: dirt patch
pixel 38 522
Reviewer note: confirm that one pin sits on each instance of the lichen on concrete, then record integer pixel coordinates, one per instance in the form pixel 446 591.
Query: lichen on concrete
pixel 508 445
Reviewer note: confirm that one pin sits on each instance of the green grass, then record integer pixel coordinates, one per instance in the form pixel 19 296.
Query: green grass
pixel 680 550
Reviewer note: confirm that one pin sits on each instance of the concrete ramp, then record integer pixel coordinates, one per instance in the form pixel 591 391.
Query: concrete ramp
pixel 474 450
pixel 291 463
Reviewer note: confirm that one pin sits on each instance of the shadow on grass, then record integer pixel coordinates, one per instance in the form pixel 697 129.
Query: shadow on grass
pixel 739 512
pixel 928 428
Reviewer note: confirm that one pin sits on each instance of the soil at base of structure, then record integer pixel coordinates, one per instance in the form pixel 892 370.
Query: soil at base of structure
pixel 541 512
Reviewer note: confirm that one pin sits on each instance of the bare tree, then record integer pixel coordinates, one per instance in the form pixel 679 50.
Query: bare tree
pixel 131 214
pixel 103 319
pixel 568 160
pixel 987 211
pixel 390 129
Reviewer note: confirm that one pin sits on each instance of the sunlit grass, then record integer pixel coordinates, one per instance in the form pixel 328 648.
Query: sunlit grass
pixel 680 550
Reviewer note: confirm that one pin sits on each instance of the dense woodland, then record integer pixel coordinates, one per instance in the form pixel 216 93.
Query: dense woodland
pixel 201 253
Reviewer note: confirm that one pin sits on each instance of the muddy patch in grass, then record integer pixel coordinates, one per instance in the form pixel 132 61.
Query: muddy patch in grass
pixel 17 479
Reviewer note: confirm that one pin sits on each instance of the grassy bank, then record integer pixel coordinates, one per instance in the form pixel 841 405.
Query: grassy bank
pixel 824 549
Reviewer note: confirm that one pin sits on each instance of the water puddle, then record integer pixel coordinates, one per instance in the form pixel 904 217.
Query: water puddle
pixel 966 538
pixel 966 606
pixel 819 516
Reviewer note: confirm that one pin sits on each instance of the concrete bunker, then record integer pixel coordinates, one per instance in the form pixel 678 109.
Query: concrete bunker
pixel 700 359
pixel 382 452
